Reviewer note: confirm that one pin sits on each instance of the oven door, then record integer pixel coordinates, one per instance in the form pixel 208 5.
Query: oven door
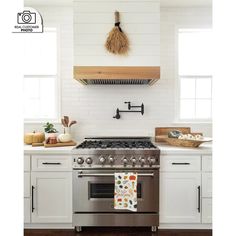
pixel 93 190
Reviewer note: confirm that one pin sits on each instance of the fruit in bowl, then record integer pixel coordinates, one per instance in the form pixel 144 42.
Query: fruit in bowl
pixel 191 137
pixel 179 135
pixel 174 134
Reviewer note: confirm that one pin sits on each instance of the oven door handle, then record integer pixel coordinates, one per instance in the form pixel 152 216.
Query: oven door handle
pixel 112 174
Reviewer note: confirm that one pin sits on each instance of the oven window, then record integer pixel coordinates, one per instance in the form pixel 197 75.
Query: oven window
pixel 106 190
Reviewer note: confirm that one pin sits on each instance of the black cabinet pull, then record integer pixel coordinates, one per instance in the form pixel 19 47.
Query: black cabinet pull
pixel 199 199
pixel 180 163
pixel 32 199
pixel 51 163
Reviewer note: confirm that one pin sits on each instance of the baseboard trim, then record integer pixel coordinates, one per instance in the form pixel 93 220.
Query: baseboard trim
pixel 161 226
pixel 48 226
pixel 185 226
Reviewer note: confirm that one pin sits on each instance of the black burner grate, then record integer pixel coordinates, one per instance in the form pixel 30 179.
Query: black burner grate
pixel 116 144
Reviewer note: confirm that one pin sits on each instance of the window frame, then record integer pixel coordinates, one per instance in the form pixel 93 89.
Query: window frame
pixel 177 86
pixel 57 76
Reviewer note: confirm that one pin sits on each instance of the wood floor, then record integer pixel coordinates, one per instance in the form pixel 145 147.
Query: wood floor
pixel 115 232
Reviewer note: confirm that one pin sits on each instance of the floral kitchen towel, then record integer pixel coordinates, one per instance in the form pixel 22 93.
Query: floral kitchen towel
pixel 125 195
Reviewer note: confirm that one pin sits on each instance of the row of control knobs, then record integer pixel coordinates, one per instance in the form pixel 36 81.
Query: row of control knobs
pixel 133 160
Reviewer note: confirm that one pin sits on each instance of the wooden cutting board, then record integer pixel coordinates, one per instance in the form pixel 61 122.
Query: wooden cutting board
pixel 71 143
pixel 37 144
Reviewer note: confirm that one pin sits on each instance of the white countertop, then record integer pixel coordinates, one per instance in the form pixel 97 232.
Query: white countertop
pixel 165 149
pixel 28 149
pixel 205 148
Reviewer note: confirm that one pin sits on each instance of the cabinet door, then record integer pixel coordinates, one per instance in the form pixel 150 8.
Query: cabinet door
pixel 180 197
pixel 51 197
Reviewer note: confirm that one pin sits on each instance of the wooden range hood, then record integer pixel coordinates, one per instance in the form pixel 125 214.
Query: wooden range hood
pixel 117 75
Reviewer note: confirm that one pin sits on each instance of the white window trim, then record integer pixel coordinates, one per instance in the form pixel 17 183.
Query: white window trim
pixel 177 119
pixel 58 82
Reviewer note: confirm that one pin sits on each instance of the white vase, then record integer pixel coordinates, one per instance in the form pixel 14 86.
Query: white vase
pixel 66 130
pixel 66 137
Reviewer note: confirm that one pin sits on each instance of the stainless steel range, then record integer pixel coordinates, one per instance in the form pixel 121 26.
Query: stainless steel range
pixel 95 162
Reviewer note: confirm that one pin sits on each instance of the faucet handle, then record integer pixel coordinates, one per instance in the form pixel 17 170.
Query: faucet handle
pixel 129 105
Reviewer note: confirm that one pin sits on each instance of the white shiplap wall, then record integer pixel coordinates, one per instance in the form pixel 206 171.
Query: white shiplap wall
pixel 140 20
pixel 94 106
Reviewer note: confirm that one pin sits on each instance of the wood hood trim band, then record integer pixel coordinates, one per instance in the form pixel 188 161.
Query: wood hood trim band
pixel 105 74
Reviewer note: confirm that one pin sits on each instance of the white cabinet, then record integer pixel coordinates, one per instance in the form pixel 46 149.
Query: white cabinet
pixel 186 189
pixel 206 189
pixel 26 184
pixel 52 197
pixel 206 163
pixel 26 188
pixel 26 210
pixel 180 163
pixel 26 162
pixel 179 197
pixel 207 210
pixel 51 163
pixel 207 184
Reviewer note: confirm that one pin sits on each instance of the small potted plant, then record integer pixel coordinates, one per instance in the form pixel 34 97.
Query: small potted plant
pixel 50 131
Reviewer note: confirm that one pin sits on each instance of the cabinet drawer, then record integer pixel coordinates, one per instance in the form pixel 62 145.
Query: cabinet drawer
pixel 206 184
pixel 51 163
pixel 206 163
pixel 26 184
pixel 207 210
pixel 26 210
pixel 180 163
pixel 26 162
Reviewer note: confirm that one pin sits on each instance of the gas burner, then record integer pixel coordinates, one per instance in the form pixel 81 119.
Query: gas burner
pixel 115 143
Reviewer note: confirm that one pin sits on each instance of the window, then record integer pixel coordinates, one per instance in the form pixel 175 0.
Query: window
pixel 195 74
pixel 40 76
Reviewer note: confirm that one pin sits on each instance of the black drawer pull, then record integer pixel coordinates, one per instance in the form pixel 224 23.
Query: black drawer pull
pixel 180 163
pixel 51 163
pixel 32 199
pixel 199 199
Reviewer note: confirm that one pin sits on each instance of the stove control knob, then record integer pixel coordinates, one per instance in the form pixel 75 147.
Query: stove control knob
pixel 102 159
pixel 125 161
pixel 133 160
pixel 111 160
pixel 142 161
pixel 151 161
pixel 89 160
pixel 80 160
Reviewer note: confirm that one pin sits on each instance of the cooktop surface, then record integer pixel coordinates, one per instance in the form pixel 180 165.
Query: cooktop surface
pixel 117 143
